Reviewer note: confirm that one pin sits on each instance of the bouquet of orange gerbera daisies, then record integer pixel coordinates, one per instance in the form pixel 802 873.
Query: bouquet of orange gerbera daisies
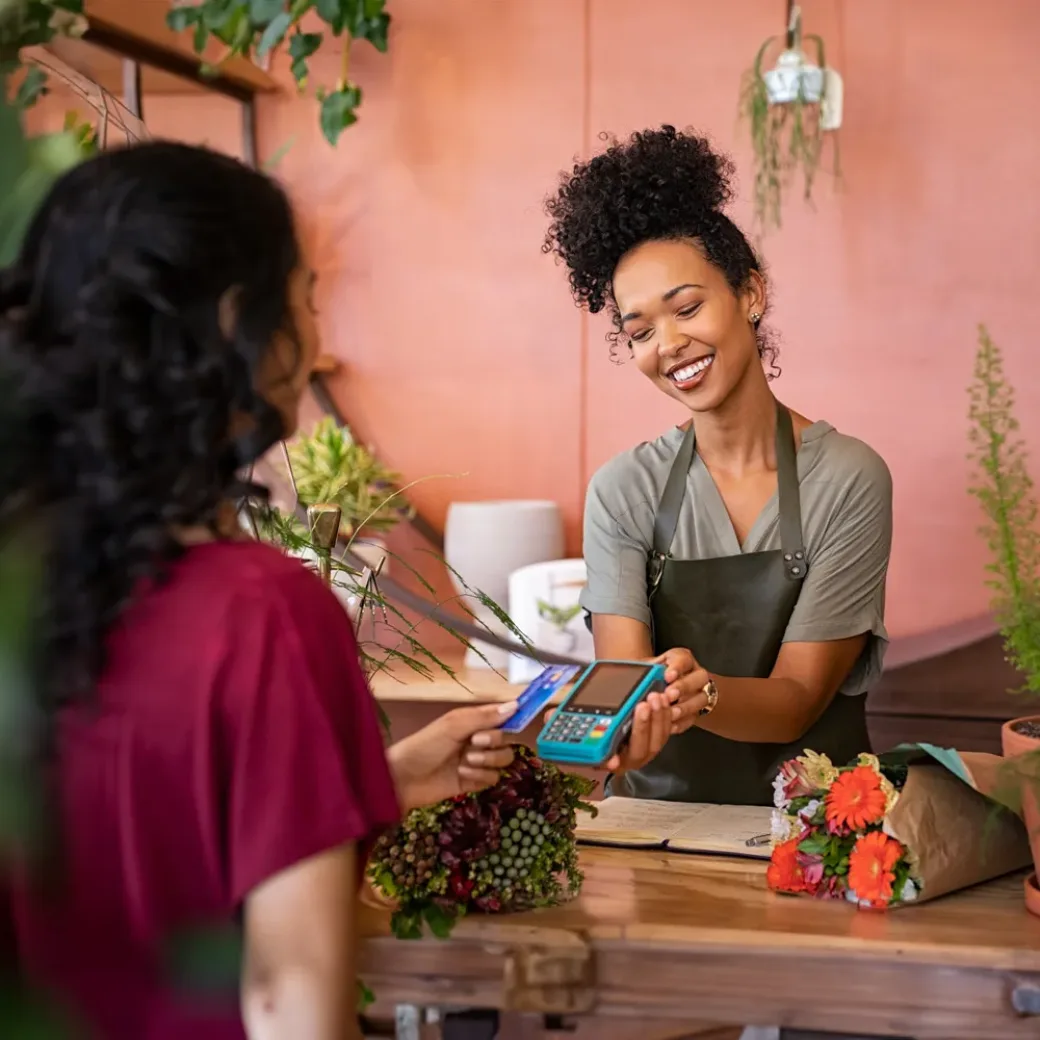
pixel 828 832
pixel 914 824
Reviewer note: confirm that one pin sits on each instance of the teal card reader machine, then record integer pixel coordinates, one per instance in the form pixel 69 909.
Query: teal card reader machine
pixel 594 721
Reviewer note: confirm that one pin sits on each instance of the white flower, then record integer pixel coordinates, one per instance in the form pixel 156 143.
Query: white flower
pixel 782 827
pixel 780 799
pixel 810 810
pixel 909 891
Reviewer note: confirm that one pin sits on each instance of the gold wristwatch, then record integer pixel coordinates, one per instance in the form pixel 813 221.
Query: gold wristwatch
pixel 711 691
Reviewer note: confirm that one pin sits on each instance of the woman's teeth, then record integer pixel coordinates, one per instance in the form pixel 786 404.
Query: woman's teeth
pixel 688 372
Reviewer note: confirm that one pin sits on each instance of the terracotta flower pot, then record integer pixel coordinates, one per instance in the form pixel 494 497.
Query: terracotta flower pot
pixel 1016 744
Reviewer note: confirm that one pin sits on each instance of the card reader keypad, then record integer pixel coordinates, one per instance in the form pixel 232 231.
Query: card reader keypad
pixel 569 728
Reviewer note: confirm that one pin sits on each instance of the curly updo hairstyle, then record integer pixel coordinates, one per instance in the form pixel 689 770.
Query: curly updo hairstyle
pixel 132 411
pixel 659 185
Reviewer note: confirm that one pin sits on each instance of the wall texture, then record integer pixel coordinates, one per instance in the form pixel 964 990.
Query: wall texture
pixel 464 359
pixel 463 352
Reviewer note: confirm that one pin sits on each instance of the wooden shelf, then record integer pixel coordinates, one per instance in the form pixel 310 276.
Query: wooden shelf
pixel 140 26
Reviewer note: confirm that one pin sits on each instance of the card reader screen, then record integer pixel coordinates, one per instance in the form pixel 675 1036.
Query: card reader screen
pixel 608 686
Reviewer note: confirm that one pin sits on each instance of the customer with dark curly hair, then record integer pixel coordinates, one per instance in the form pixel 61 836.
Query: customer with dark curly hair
pixel 215 753
pixel 747 549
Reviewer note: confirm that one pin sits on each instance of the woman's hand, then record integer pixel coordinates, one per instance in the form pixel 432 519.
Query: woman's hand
pixel 460 752
pixel 662 715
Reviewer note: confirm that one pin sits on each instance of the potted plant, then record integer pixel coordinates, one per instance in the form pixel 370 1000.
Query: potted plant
pixel 1005 491
pixel 789 108
pixel 329 466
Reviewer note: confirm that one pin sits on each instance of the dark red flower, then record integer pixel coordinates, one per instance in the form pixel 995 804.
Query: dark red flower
pixel 461 887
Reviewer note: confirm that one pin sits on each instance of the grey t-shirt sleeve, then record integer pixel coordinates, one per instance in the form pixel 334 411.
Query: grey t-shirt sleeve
pixel 616 547
pixel 843 594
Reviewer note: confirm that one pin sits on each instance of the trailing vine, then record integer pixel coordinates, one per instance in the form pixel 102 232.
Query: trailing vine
pixel 1005 491
pixel 256 29
pixel 785 137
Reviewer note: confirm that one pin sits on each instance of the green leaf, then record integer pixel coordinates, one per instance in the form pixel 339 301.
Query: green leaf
pixel 814 845
pixel 334 13
pixel 28 171
pixel 440 921
pixel 338 111
pixel 274 34
pixel 181 18
pixel 263 12
pixel 366 998
pixel 377 32
pixel 303 45
pixel 406 924
pixel 32 87
pixel 200 40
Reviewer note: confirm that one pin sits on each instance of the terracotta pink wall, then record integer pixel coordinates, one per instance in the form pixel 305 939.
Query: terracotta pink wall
pixel 464 354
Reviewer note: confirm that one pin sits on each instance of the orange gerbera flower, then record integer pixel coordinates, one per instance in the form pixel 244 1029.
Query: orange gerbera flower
pixel 872 865
pixel 784 873
pixel 855 800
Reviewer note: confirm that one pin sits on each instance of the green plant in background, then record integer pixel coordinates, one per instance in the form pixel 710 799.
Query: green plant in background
pixel 29 23
pixel 329 466
pixel 785 137
pixel 29 166
pixel 561 617
pixel 394 641
pixel 259 28
pixel 1005 491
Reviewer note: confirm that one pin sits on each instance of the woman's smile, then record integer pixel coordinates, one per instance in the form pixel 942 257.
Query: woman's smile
pixel 689 373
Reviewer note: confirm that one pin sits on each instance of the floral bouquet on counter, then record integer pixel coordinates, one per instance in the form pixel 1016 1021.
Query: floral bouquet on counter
pixel 885 831
pixel 509 848
pixel 828 832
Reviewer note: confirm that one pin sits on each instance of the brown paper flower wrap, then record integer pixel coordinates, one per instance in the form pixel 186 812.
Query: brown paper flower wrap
pixel 908 826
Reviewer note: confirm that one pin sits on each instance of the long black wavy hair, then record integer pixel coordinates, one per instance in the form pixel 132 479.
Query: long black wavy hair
pixel 657 185
pixel 131 411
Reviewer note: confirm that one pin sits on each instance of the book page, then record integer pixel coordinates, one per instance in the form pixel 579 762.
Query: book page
pixel 680 826
pixel 725 829
pixel 634 821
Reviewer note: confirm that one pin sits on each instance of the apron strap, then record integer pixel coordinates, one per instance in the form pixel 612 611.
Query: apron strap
pixel 670 506
pixel 671 503
pixel 790 504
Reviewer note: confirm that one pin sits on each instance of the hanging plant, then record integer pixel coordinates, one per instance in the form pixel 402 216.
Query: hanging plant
pixel 256 29
pixel 790 108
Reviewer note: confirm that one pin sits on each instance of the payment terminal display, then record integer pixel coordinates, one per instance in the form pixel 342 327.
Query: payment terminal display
pixel 595 719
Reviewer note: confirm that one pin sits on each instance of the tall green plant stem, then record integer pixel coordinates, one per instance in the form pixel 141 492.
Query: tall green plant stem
pixel 1004 489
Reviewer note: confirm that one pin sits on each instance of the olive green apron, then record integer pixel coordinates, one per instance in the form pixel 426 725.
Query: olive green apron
pixel 731 612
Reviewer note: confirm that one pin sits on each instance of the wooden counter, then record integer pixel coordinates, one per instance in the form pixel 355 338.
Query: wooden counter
pixel 701 939
pixel 470 686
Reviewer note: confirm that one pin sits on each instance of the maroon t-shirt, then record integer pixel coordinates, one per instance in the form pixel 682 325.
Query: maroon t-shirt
pixel 233 735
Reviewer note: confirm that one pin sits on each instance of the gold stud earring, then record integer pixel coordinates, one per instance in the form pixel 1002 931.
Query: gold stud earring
pixel 754 317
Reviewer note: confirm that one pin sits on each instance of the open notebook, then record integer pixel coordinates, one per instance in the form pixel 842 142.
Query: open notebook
pixel 640 823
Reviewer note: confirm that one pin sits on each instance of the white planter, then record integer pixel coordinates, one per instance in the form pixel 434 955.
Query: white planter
pixel 793 77
pixel 558 583
pixel 486 541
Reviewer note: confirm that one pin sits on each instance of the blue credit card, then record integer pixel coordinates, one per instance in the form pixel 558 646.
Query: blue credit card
pixel 537 695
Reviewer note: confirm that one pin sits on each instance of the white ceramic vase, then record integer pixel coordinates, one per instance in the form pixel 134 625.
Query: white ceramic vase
pixel 558 584
pixel 485 542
